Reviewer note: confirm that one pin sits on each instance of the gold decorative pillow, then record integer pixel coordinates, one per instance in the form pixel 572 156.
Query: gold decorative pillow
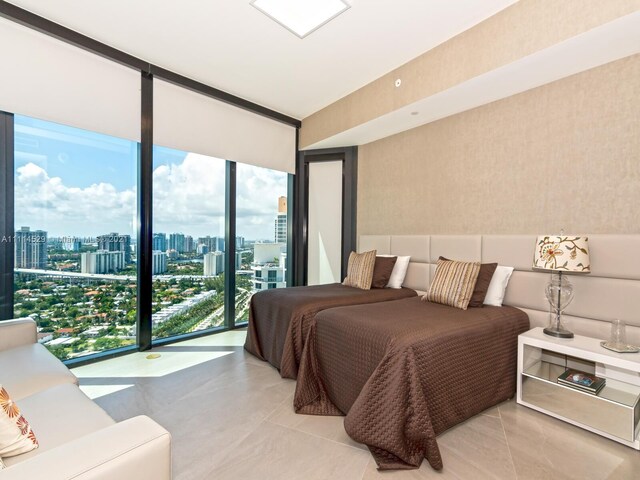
pixel 16 436
pixel 360 270
pixel 453 283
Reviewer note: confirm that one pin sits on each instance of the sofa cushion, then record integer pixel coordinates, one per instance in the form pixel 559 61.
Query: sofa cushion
pixel 134 449
pixel 30 369
pixel 16 436
pixel 58 415
pixel 17 332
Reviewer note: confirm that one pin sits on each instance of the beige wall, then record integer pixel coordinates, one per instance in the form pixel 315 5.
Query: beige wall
pixel 526 27
pixel 564 155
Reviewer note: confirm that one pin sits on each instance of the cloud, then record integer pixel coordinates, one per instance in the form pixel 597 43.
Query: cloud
pixel 188 198
pixel 257 192
pixel 46 203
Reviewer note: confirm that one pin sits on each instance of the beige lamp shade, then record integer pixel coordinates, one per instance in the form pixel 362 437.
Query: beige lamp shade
pixel 565 253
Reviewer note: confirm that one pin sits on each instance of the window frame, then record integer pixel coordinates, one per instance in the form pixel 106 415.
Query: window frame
pixel 144 340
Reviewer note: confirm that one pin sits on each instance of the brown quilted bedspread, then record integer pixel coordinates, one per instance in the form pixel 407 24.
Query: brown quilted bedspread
pixel 279 318
pixel 407 370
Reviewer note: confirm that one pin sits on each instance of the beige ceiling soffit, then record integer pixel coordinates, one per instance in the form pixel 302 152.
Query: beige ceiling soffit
pixel 607 43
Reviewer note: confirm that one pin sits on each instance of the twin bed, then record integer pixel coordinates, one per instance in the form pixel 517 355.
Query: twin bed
pixel 400 369
pixel 405 371
pixel 279 319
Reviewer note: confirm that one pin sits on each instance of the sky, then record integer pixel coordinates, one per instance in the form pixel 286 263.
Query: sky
pixel 71 182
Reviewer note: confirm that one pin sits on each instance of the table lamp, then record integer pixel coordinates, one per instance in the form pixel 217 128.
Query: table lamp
pixel 558 255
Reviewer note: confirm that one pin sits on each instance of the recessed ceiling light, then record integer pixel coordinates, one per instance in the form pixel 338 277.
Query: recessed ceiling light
pixel 301 16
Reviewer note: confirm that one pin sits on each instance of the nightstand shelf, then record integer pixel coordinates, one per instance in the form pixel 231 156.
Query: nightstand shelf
pixel 613 413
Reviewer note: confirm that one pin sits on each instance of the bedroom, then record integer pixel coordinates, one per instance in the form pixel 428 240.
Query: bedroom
pixel 467 136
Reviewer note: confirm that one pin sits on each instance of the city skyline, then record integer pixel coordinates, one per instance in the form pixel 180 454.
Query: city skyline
pixel 70 182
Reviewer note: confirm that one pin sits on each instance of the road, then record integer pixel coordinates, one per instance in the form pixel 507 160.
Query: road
pixel 216 318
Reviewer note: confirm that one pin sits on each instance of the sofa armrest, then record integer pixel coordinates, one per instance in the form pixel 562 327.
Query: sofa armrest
pixel 17 332
pixel 136 448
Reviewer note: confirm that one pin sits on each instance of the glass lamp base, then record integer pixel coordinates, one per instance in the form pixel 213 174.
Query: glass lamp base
pixel 559 292
pixel 558 332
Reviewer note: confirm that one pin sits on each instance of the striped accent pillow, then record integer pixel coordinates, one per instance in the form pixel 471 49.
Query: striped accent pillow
pixel 360 270
pixel 453 283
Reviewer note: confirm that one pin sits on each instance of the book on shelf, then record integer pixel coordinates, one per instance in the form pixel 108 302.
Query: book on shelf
pixel 586 382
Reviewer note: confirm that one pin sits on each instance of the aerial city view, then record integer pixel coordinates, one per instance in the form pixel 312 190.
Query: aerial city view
pixel 75 250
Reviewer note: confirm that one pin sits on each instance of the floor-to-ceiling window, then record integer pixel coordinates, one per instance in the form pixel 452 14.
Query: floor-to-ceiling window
pixel 188 242
pixel 116 242
pixel 75 238
pixel 75 221
pixel 261 233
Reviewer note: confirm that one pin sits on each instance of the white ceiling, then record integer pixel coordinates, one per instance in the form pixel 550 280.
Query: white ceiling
pixel 232 46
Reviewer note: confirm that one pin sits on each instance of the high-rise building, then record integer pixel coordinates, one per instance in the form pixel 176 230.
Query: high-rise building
pixel 160 242
pixel 213 264
pixel 239 242
pixel 189 244
pixel 281 221
pixel 268 252
pixel 31 249
pixel 159 262
pixel 176 242
pixel 54 243
pixel 102 261
pixel 270 276
pixel 113 242
pixel 215 244
pixel 202 249
pixel 73 244
pixel 281 228
pixel 68 244
pixel 269 261
pixel 282 204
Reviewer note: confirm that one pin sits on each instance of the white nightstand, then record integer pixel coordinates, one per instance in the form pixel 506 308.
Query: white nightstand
pixel 613 413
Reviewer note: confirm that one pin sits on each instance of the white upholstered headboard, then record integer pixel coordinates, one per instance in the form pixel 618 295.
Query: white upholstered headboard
pixel 611 290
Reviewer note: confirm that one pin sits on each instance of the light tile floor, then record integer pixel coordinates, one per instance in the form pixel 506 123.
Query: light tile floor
pixel 231 417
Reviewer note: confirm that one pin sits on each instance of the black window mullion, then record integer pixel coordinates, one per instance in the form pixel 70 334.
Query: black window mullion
pixel 230 246
pixel 290 263
pixel 7 227
pixel 145 217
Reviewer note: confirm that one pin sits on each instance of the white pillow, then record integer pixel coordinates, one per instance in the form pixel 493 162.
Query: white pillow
pixel 498 286
pixel 399 271
pixel 16 436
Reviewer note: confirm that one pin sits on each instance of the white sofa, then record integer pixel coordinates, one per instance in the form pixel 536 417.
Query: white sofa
pixel 78 440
